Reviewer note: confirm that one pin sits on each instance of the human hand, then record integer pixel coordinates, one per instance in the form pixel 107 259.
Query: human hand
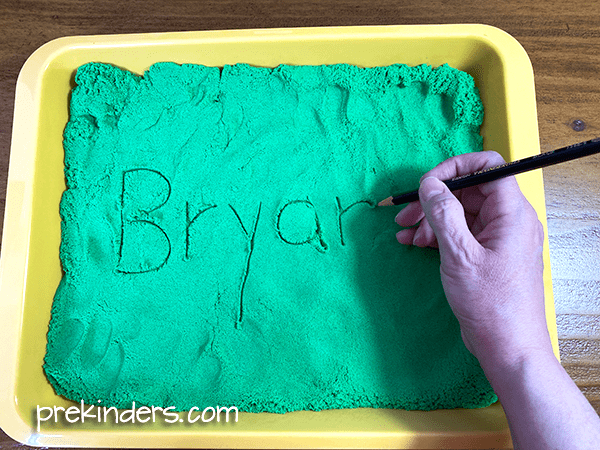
pixel 490 243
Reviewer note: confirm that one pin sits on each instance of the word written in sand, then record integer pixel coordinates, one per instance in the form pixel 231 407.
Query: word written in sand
pixel 145 191
pixel 145 245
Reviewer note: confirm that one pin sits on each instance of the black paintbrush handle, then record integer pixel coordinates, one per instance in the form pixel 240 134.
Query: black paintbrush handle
pixel 513 168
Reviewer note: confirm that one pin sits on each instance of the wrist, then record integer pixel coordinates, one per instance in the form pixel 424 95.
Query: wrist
pixel 507 367
pixel 506 340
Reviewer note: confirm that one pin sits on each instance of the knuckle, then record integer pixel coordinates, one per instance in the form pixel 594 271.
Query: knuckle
pixel 494 157
pixel 455 236
pixel 539 231
pixel 441 206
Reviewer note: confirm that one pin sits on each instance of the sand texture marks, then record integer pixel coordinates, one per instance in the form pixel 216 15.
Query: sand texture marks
pixel 221 244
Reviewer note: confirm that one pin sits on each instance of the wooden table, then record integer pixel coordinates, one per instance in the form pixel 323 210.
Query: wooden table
pixel 563 42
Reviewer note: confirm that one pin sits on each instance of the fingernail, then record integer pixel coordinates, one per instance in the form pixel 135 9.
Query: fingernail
pixel 417 235
pixel 400 236
pixel 398 216
pixel 427 178
pixel 427 192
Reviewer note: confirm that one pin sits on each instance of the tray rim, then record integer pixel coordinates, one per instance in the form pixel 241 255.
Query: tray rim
pixel 18 211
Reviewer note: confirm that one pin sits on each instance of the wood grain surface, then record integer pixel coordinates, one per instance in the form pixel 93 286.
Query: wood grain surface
pixel 562 40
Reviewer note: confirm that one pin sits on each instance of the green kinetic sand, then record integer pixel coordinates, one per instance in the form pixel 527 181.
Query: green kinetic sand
pixel 221 243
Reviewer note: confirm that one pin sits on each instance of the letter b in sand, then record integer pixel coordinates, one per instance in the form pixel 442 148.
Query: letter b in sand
pixel 144 245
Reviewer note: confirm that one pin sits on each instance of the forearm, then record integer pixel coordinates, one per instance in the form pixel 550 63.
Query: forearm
pixel 544 407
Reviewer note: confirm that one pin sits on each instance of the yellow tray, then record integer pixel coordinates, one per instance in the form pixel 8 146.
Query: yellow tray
pixel 30 267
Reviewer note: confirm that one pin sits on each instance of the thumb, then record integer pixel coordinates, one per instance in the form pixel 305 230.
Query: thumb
pixel 446 216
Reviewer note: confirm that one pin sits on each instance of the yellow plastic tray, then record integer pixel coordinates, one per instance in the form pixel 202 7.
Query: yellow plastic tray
pixel 30 268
